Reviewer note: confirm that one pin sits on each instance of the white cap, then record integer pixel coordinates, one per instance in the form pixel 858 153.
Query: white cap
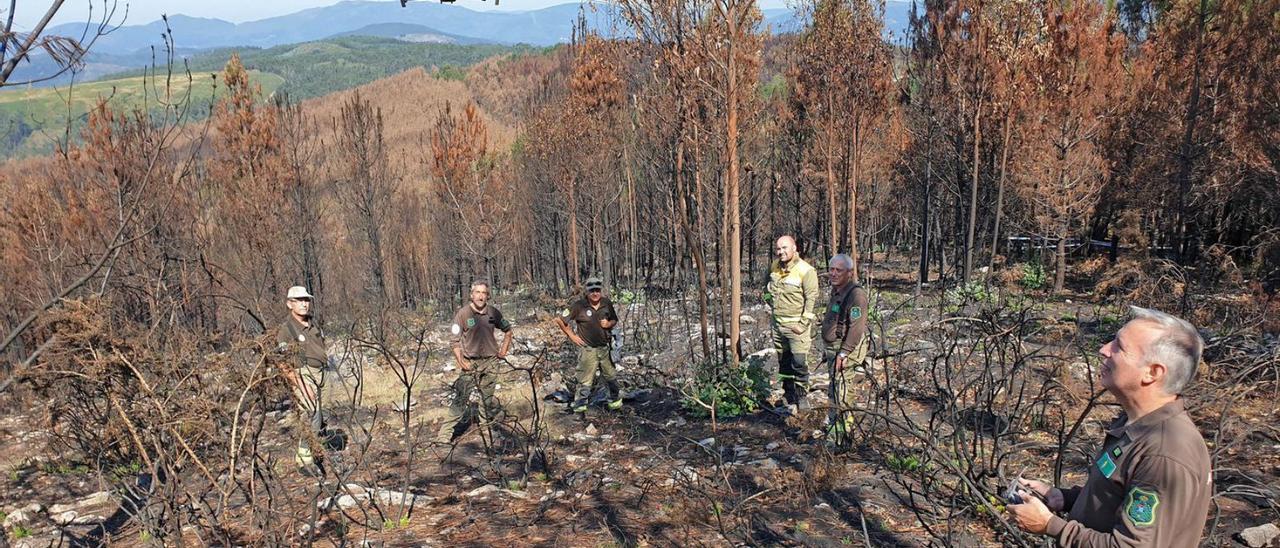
pixel 299 292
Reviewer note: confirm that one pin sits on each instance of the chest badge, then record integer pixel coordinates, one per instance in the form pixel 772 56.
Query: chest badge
pixel 1106 465
pixel 588 313
pixel 302 338
pixel 835 308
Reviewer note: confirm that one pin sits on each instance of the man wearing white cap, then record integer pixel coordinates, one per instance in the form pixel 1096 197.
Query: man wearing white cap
pixel 300 337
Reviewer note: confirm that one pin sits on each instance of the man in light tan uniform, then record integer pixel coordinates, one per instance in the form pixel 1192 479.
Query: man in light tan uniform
pixel 477 353
pixel 846 338
pixel 792 291
pixel 1151 483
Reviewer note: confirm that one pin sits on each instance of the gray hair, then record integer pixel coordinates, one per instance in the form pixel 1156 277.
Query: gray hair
pixel 479 283
pixel 1178 347
pixel 843 258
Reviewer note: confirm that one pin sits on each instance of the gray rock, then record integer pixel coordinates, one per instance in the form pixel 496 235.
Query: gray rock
pixel 88 519
pixel 1263 535
pixel 96 499
pixel 745 319
pixel 386 497
pixel 764 465
pixel 772 446
pixel 591 430
pixel 19 517
pixel 61 509
pixel 65 518
pixel 707 442
pixel 483 491
pixel 630 361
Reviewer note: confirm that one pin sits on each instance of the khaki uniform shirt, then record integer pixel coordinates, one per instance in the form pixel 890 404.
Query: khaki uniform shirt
pixel 844 322
pixel 1150 486
pixel 588 320
pixel 474 331
pixel 793 291
pixel 307 341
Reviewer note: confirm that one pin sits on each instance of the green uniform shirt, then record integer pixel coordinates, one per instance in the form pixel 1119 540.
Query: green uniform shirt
pixel 1149 486
pixel 308 341
pixel 474 331
pixel 588 320
pixel 792 289
pixel 844 322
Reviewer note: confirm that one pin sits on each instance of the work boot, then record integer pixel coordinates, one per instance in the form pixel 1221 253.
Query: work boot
pixel 580 407
pixel 615 404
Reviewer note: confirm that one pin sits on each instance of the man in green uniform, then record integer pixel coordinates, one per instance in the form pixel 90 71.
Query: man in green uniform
pixel 475 347
pixel 300 336
pixel 792 291
pixel 1150 485
pixel 844 330
pixel 594 318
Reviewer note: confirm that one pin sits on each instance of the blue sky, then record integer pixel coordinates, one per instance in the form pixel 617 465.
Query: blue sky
pixel 145 11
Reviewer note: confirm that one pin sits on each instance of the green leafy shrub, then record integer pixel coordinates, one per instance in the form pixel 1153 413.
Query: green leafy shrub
pixel 1033 276
pixel 731 393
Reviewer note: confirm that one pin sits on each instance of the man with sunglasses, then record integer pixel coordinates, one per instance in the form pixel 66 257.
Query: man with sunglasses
pixel 594 319
pixel 302 338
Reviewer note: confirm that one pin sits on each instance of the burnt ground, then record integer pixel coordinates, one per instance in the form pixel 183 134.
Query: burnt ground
pixel 656 474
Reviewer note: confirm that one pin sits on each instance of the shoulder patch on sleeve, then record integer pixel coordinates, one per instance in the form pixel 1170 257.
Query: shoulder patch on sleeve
pixel 456 329
pixel 1141 506
pixel 855 312
pixel 564 313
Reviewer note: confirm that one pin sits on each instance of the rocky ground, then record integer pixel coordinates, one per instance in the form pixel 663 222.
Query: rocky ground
pixel 649 474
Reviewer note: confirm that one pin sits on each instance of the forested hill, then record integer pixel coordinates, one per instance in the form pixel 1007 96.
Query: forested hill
pixel 32 119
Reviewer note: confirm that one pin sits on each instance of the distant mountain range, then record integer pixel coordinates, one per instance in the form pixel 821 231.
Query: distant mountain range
pixel 543 27
pixel 130 47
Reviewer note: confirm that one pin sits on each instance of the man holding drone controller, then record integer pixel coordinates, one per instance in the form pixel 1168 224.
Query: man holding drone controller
pixel 1151 483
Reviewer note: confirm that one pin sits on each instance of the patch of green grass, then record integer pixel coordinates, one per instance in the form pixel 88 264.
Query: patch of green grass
pixel 64 468
pixel 126 470
pixel 391 524
pixel 20 532
pixel 909 463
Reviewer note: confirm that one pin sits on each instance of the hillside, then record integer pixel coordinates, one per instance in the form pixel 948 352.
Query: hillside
pixel 34 119
pixel 302 71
